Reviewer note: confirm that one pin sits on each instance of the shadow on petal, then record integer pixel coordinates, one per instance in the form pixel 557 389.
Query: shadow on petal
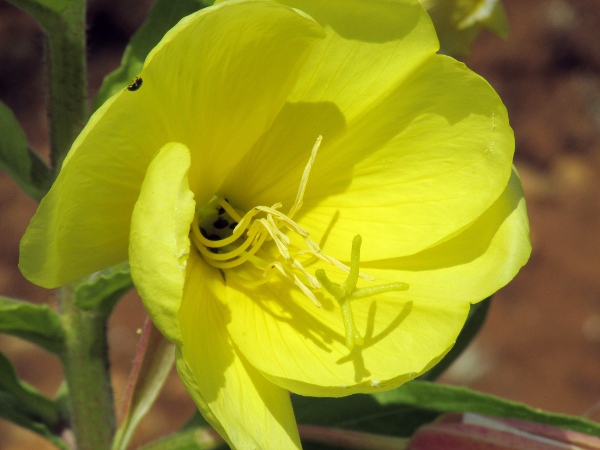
pixel 469 244
pixel 356 354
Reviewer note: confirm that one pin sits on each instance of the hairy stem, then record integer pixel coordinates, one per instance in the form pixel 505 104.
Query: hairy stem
pixel 64 25
pixel 67 80
pixel 85 363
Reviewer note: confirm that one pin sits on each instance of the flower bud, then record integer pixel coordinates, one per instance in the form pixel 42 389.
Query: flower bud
pixel 471 431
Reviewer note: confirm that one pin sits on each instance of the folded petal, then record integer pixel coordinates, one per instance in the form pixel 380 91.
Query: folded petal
pixel 301 347
pixel 418 168
pixel 189 381
pixel 370 46
pixel 409 171
pixel 253 412
pixel 225 75
pixel 159 244
pixel 214 83
pixel 472 265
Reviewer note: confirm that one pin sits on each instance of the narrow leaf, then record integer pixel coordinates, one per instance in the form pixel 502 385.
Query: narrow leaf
pixel 361 412
pixel 154 360
pixel 21 163
pixel 23 405
pixel 101 290
pixel 444 398
pixel 34 7
pixel 164 15
pixel 38 324
pixel 400 412
pixel 192 439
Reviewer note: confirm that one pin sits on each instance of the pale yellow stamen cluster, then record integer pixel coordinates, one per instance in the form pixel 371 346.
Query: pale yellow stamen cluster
pixel 262 224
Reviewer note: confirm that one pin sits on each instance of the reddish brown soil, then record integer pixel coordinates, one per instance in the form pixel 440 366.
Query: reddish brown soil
pixel 541 343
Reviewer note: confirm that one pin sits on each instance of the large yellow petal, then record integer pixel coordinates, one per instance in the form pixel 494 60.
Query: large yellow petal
pixel 370 46
pixel 418 168
pixel 399 162
pixel 159 244
pixel 474 264
pixel 253 412
pixel 301 347
pixel 189 381
pixel 407 173
pixel 222 79
pixel 214 83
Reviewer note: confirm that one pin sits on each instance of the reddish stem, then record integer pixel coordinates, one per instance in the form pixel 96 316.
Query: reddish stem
pixel 140 351
pixel 351 440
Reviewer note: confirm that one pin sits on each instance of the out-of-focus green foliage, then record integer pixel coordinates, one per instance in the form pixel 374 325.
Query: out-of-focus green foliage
pixel 459 22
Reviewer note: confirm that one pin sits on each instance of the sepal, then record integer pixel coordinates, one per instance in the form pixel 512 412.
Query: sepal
pixel 103 289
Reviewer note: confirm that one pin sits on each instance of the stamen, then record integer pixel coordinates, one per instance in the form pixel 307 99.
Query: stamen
pixel 347 291
pixel 224 204
pixel 252 232
pixel 226 240
pixel 245 256
pixel 294 278
pixel 304 181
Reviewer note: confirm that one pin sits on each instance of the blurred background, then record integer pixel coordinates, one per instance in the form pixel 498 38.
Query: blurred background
pixel 541 342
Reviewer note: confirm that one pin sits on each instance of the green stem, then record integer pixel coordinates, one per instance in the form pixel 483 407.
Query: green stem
pixel 64 26
pixel 67 82
pixel 85 363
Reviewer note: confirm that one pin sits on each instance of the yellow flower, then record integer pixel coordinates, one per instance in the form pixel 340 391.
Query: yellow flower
pixel 235 173
pixel 459 22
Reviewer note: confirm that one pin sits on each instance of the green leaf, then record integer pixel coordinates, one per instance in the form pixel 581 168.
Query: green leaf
pixel 401 411
pixel 20 162
pixel 361 412
pixel 55 5
pixel 23 405
pixel 477 315
pixel 101 290
pixel 192 439
pixel 35 323
pixel 443 398
pixel 164 15
pixel 33 7
pixel 196 421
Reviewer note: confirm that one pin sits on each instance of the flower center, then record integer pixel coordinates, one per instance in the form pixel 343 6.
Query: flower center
pixel 229 239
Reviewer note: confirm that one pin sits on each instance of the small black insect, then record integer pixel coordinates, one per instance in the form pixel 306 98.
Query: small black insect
pixel 135 84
